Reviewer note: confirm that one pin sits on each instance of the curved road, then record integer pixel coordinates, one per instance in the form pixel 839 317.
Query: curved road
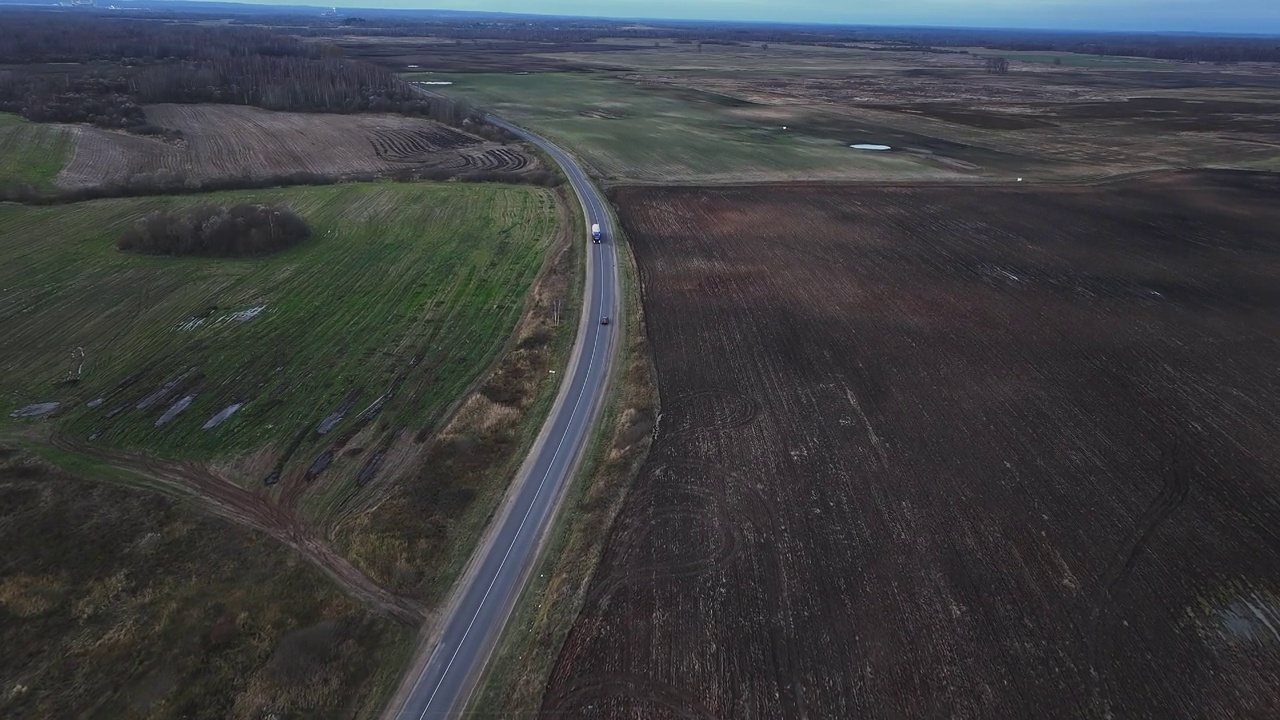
pixel 498 573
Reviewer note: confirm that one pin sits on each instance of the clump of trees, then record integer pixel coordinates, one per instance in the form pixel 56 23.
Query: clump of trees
pixel 243 230
pixel 293 83
pixel 96 96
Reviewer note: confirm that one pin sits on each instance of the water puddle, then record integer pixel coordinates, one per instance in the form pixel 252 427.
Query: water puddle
pixel 242 315
pixel 338 414
pixel 174 409
pixel 870 146
pixel 222 416
pixel 163 392
pixel 1250 618
pixel 319 465
pixel 36 410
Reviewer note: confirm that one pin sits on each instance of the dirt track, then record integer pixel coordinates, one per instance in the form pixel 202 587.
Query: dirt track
pixel 255 509
pixel 961 452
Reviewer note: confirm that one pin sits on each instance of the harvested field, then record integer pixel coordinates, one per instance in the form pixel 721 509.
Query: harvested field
pixel 949 452
pixel 229 141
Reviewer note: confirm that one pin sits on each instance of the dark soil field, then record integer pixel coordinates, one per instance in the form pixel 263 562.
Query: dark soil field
pixel 946 451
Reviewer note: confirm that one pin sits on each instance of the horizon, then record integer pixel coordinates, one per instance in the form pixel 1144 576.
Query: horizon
pixel 1243 17
pixel 1187 17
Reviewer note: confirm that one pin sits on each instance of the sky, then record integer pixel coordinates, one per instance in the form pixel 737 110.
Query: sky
pixel 1243 16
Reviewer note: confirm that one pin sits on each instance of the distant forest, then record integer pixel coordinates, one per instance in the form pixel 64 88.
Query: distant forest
pixel 99 69
pixel 1183 47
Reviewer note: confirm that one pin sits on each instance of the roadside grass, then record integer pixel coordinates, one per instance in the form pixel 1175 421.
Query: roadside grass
pixel 523 659
pixel 427 526
pixel 116 602
pixel 32 153
pixel 408 286
pixel 631 131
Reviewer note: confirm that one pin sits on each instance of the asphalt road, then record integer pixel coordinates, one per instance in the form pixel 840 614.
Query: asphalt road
pixel 496 578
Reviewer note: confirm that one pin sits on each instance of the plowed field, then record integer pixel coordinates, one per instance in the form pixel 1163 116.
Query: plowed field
pixel 227 141
pixel 949 452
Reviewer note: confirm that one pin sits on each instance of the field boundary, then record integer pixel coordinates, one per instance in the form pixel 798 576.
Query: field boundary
pixel 1082 181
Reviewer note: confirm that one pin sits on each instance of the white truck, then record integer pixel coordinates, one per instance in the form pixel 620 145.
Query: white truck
pixel 596 236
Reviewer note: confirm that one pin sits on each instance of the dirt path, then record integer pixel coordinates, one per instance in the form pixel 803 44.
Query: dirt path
pixel 255 509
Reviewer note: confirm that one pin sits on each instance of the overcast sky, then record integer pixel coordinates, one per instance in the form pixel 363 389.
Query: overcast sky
pixel 1256 16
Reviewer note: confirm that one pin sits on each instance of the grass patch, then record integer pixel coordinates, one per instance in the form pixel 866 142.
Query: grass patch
pixel 627 130
pixel 115 602
pixel 1067 59
pixel 412 286
pixel 31 153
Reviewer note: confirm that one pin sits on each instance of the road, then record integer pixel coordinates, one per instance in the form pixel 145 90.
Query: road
pixel 498 574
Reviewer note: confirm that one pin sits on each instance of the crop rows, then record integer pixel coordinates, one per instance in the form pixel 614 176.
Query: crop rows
pixel 225 141
pixel 417 145
pixel 957 452
pixel 496 159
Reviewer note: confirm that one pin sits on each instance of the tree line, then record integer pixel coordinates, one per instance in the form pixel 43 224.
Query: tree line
pixel 167 182
pixel 127 63
pixel 1188 48
pixel 294 83
pixel 35 37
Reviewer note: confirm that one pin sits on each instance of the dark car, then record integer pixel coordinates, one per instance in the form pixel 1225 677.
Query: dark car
pixel 604 320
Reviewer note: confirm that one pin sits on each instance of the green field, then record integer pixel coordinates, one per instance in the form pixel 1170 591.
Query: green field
pixel 120 603
pixel 411 288
pixel 30 153
pixel 1077 60
pixel 629 131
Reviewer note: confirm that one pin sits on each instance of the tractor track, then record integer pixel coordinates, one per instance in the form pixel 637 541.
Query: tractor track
pixel 253 508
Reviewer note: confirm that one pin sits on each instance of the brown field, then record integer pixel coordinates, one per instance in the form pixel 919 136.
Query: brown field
pixel 1090 116
pixel 949 451
pixel 226 141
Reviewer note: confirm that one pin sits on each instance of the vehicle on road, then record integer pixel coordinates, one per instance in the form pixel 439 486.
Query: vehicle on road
pixel 596 235
pixel 604 320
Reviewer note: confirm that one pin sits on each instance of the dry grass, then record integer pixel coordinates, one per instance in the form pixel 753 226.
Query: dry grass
pixel 119 603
